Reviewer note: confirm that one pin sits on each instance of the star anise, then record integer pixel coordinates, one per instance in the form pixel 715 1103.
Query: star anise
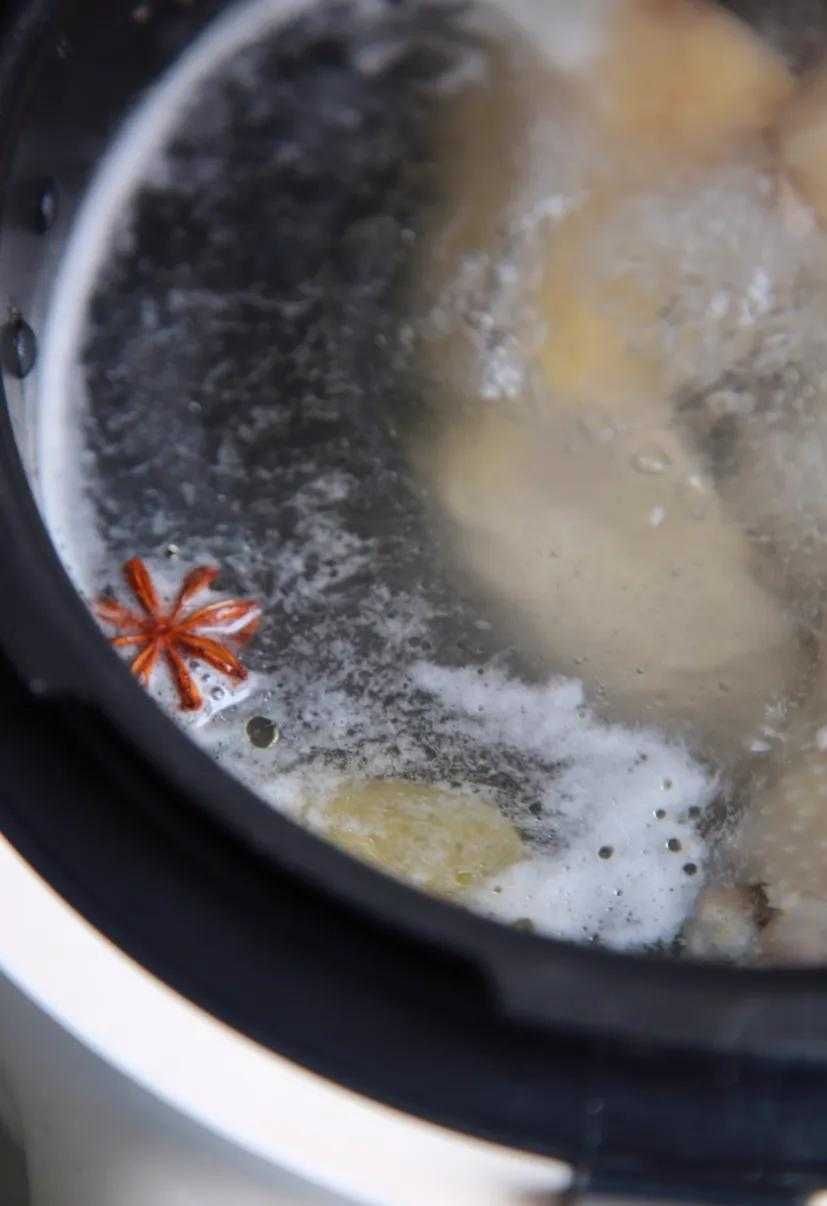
pixel 176 634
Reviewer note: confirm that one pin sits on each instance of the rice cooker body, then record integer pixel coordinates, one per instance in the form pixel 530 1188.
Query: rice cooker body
pixel 647 1076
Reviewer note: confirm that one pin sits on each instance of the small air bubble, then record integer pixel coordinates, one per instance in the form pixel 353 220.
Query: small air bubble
pixel 262 732
pixel 674 845
pixel 690 869
pixel 19 347
pixel 172 551
pixel 605 852
pixel 694 812
pixel 660 813
pixel 667 785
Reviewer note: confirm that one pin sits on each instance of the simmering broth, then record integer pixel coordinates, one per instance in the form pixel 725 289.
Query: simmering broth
pixel 486 355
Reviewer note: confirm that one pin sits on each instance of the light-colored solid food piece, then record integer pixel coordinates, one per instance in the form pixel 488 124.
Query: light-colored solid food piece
pixel 477 148
pixel 780 844
pixel 619 565
pixel 442 841
pixel 797 935
pixel 482 146
pixel 803 141
pixel 723 925
pixel 778 486
pixel 777 474
pixel 481 143
pixel 781 841
pixel 640 295
pixel 686 77
pixel 599 345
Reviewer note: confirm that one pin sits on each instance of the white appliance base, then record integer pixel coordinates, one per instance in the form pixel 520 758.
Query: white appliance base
pixel 125 1094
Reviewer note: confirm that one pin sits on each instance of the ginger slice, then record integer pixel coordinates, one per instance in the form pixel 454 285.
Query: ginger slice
pixel 440 840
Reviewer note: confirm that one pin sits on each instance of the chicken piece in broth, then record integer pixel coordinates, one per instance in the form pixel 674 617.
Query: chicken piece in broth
pixel 802 139
pixel 638 258
pixel 687 76
pixel 641 586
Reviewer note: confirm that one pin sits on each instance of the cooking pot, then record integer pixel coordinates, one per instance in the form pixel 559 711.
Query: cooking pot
pixel 216 987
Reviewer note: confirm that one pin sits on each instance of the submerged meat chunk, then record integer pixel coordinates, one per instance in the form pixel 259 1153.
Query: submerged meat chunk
pixel 642 293
pixel 622 539
pixel 634 580
pixel 600 322
pixel 781 840
pixel 802 140
pixel 686 76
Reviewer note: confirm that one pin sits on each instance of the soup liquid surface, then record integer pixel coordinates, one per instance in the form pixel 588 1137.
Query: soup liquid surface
pixel 505 401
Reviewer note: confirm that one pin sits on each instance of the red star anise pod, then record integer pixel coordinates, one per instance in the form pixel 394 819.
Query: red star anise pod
pixel 175 633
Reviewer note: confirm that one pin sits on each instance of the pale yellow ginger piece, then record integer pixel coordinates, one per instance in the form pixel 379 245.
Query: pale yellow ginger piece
pixel 686 78
pixel 617 563
pixel 439 840
pixel 802 140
